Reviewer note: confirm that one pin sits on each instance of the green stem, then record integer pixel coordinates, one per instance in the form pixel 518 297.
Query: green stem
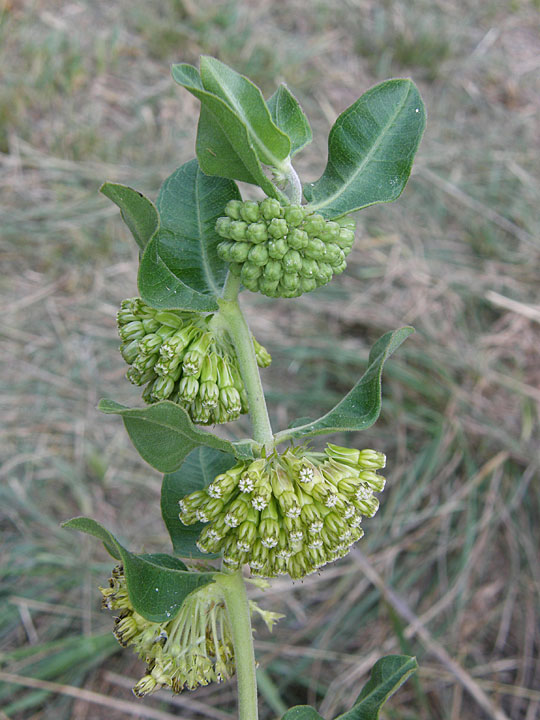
pixel 294 188
pixel 233 320
pixel 234 590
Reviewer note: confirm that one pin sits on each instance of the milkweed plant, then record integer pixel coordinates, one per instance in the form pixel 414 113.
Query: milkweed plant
pixel 272 504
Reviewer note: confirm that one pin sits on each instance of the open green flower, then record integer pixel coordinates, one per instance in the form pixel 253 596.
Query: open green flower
pixel 282 251
pixel 178 357
pixel 290 513
pixel 192 649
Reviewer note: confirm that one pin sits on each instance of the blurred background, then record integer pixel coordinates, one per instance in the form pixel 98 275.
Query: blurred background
pixel 449 569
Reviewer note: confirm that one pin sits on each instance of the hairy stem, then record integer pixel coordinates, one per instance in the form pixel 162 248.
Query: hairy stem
pixel 236 600
pixel 294 188
pixel 233 320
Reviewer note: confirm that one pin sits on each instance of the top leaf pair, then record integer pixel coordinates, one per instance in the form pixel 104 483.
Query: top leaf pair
pixel 370 148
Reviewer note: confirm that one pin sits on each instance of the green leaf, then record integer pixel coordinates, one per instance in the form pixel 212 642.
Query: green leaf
pixel 164 434
pixel 138 212
pixel 180 268
pixel 387 675
pixel 157 584
pixel 361 407
pixel 197 471
pixel 371 148
pixel 289 117
pixel 224 145
pixel 247 102
pixel 302 712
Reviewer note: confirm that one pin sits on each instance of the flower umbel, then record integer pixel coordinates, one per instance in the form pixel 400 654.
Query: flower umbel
pixel 194 648
pixel 282 251
pixel 290 513
pixel 179 358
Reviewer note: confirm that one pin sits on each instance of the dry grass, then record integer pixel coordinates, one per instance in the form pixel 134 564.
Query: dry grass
pixel 449 569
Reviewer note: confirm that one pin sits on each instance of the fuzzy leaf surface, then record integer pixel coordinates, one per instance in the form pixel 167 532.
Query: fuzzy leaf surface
pixel 180 268
pixel 198 470
pixel 302 712
pixel 387 675
pixel 371 148
pixel 164 434
pixel 224 145
pixel 289 117
pixel 246 100
pixel 138 212
pixel 157 583
pixel 361 407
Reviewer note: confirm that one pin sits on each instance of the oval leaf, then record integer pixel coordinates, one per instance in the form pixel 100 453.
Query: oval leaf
pixel 224 146
pixel 164 434
pixel 387 675
pixel 180 269
pixel 138 212
pixel 371 148
pixel 246 100
pixel 289 117
pixel 157 584
pixel 197 471
pixel 302 712
pixel 361 407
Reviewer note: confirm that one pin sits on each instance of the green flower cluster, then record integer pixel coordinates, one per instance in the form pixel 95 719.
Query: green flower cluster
pixel 289 513
pixel 192 649
pixel 179 358
pixel 282 251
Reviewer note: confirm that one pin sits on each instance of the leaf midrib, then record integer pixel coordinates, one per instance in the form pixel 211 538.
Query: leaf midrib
pixel 329 199
pixel 277 162
pixel 204 252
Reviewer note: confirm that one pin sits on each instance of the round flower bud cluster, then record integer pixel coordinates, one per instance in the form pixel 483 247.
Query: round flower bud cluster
pixel 178 357
pixel 282 251
pixel 192 649
pixel 289 513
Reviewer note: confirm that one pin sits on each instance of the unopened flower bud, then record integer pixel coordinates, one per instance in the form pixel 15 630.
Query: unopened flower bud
pixel 315 249
pixel 278 228
pixel 250 271
pixel 272 270
pixel 297 239
pixel 224 250
pixel 345 239
pixel 257 233
pixel 132 331
pixel 130 350
pixel 240 251
pixel 261 354
pixel 162 388
pixel 371 459
pixel 270 209
pixel 268 287
pixel 188 389
pixel 277 248
pixel 250 211
pixel 370 477
pixel 314 225
pixel 330 232
pixel 258 255
pixel 223 227
pixel 294 215
pixel 292 261
pixel 233 209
